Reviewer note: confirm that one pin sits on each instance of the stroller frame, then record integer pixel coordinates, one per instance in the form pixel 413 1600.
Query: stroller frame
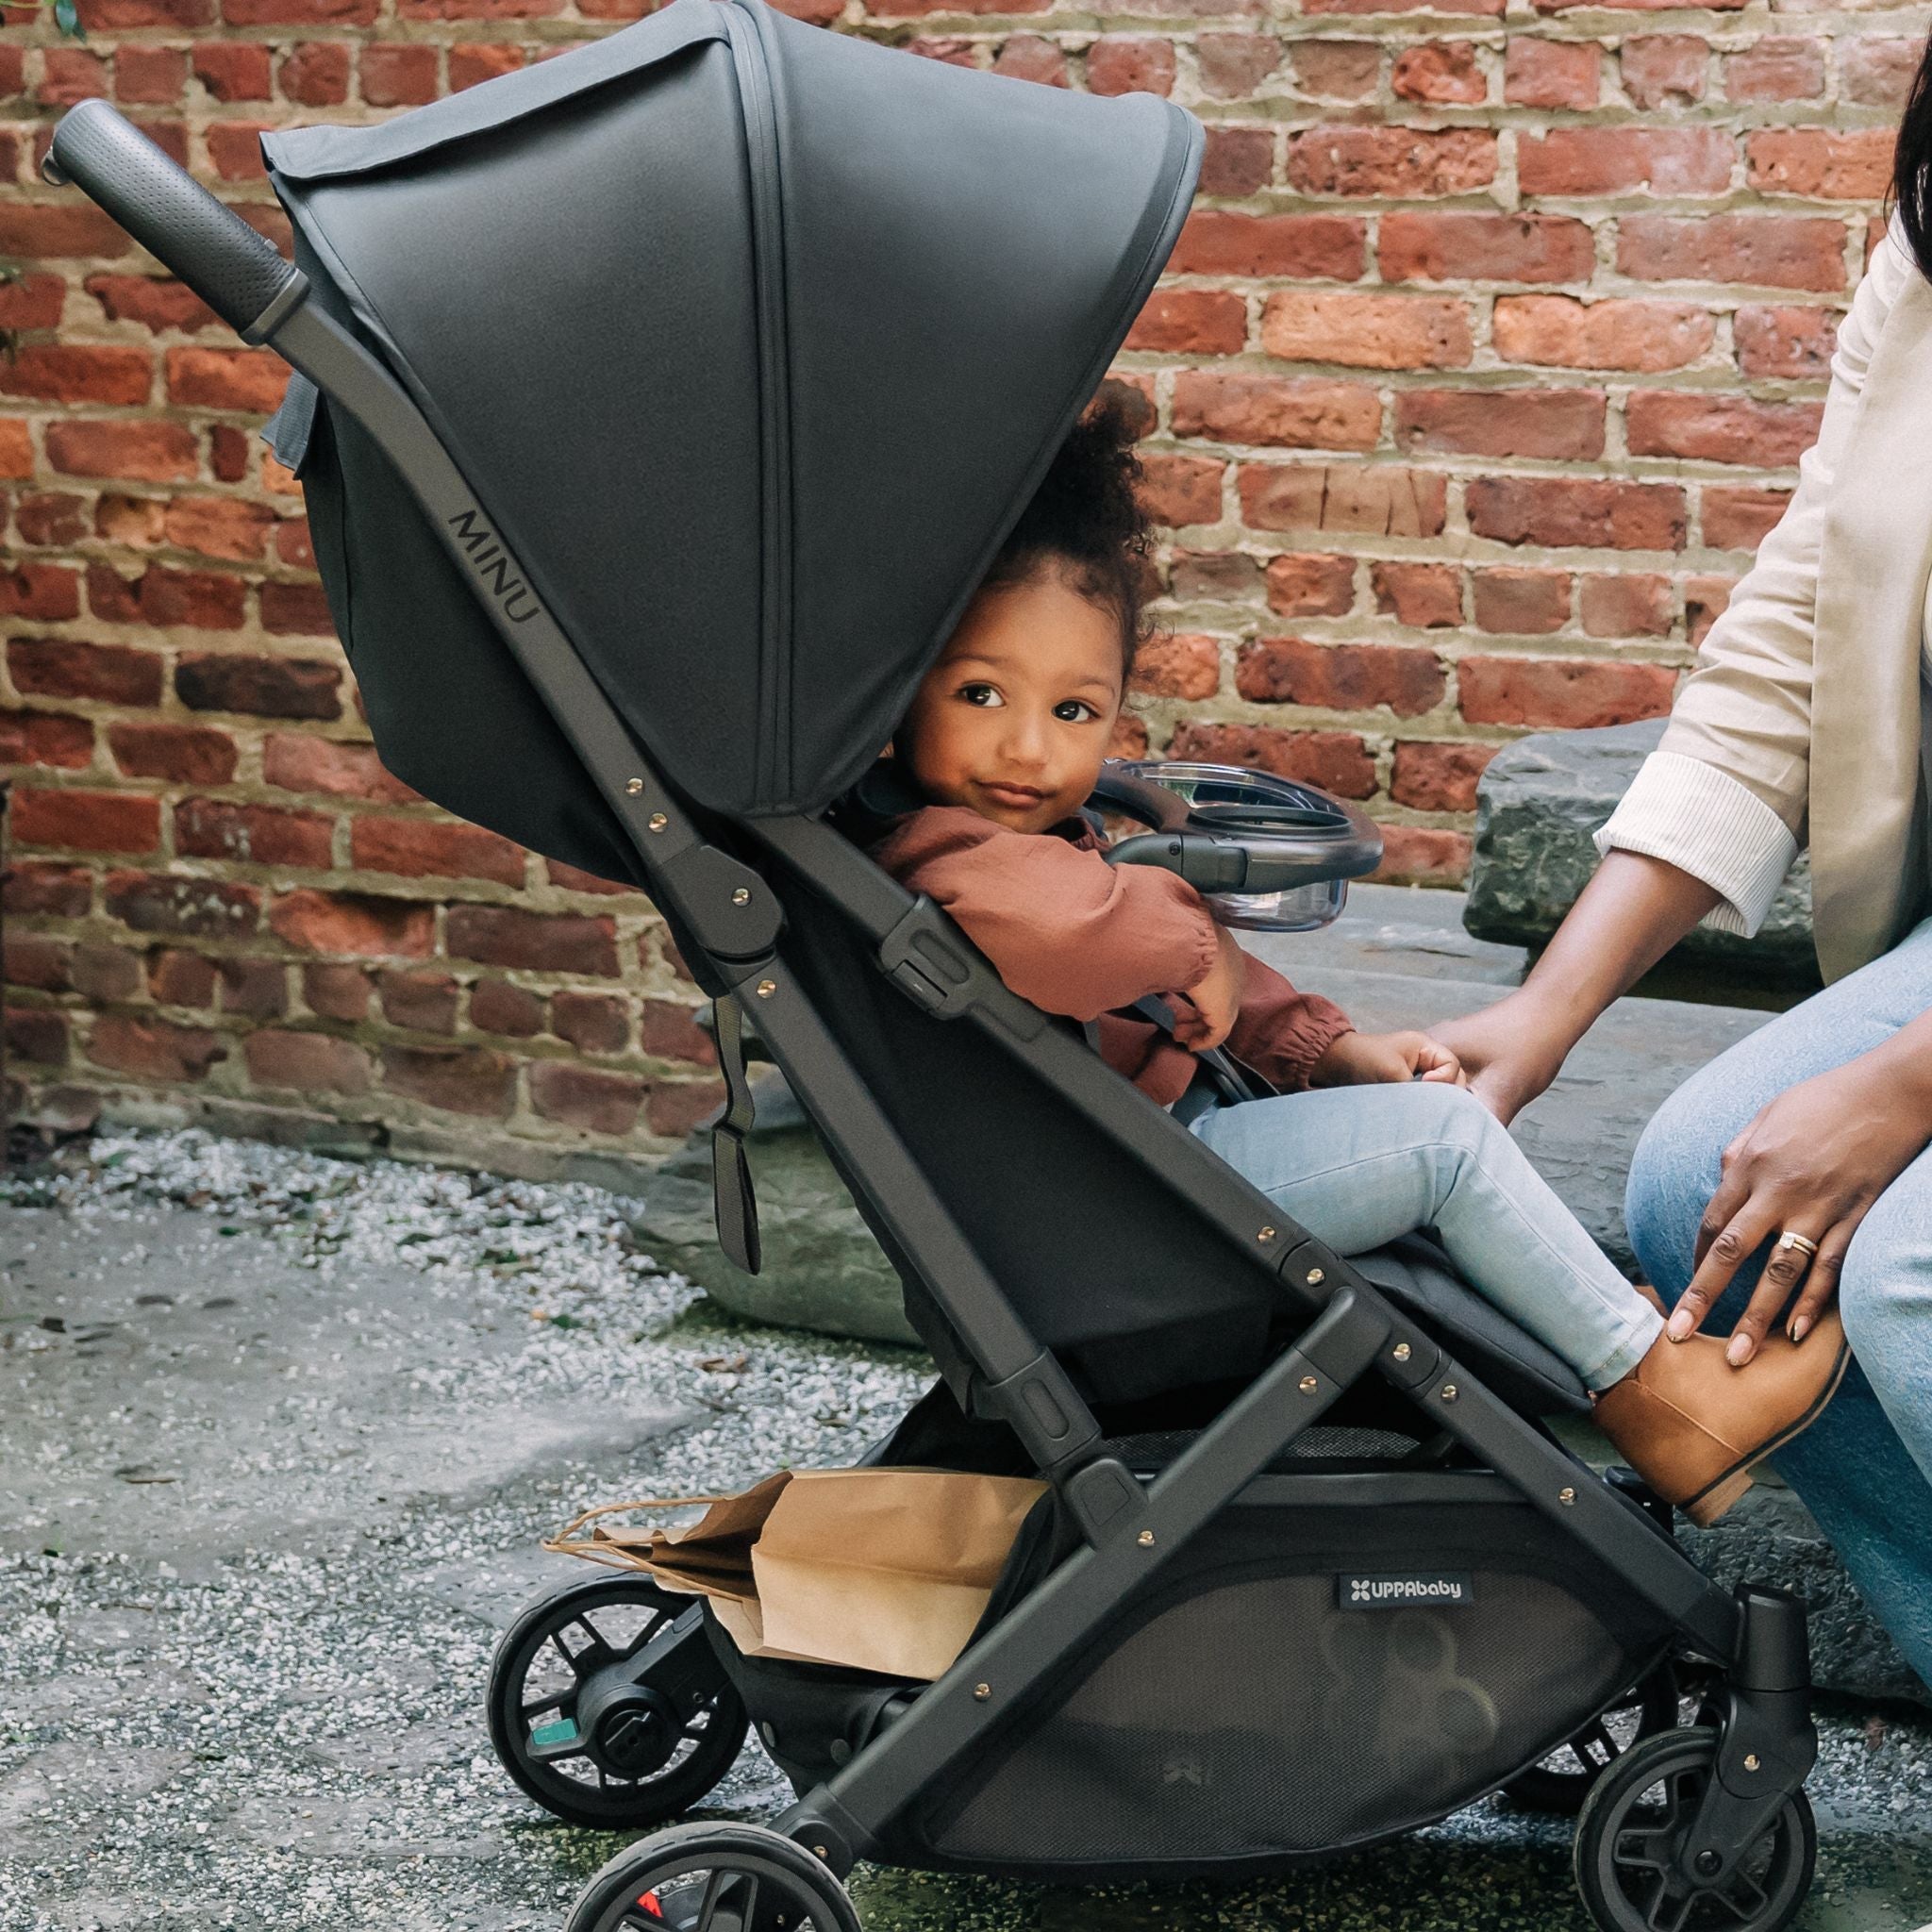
pixel 728 921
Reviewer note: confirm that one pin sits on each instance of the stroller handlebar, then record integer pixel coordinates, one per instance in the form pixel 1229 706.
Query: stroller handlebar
pixel 239 273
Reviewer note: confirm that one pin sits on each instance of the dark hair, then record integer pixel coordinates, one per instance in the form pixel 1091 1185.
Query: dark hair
pixel 1911 165
pixel 1086 517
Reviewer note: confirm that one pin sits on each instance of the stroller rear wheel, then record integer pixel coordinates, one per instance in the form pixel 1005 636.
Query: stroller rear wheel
pixel 1633 1823
pixel 589 1734
pixel 1561 1782
pixel 714 1878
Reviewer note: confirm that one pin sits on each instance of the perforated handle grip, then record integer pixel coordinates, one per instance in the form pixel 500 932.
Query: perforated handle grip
pixel 238 273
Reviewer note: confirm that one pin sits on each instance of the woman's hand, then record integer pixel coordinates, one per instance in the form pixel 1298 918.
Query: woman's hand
pixel 1363 1059
pixel 1509 1052
pixel 1205 1014
pixel 1810 1163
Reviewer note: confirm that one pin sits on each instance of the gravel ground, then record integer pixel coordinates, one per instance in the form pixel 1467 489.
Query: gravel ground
pixel 279 1435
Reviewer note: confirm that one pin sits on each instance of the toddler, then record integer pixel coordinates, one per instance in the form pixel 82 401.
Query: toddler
pixel 1367 1136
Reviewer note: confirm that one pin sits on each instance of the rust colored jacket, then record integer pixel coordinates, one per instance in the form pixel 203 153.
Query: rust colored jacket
pixel 1079 937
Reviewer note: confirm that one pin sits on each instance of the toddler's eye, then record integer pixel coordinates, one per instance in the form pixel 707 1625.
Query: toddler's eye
pixel 1073 711
pixel 984 695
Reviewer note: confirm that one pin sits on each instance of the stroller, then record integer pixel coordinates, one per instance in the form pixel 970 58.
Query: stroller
pixel 658 409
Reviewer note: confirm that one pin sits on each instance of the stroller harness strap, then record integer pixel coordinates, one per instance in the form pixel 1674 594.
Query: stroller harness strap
pixel 734 1205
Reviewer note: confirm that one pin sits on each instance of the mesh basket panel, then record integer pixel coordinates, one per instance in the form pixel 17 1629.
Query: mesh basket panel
pixel 1257 1719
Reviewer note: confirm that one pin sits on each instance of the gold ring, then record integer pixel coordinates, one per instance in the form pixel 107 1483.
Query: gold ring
pixel 1802 1243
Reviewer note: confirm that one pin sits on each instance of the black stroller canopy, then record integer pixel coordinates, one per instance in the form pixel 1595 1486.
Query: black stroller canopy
pixel 753 340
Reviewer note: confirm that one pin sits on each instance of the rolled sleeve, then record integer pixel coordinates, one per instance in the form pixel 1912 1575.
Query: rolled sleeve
pixel 1703 822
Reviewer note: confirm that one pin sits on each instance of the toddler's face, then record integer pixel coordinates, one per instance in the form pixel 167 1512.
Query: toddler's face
pixel 1014 719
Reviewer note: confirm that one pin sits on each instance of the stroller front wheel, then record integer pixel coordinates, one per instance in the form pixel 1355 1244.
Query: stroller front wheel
pixel 714 1878
pixel 1632 1825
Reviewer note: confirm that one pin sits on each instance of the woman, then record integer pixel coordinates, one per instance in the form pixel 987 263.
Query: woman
pixel 1795 1167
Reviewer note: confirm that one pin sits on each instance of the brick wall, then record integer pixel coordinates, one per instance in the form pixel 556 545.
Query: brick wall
pixel 1482 367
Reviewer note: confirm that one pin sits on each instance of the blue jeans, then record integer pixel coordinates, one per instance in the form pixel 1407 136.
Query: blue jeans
pixel 1361 1165
pixel 1864 1468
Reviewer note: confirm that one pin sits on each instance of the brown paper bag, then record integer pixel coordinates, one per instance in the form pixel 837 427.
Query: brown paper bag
pixel 885 1569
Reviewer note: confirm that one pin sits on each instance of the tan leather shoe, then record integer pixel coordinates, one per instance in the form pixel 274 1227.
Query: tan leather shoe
pixel 1691 1426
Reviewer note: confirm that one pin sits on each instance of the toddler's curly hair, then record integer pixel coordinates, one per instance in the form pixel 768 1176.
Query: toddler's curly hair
pixel 1087 518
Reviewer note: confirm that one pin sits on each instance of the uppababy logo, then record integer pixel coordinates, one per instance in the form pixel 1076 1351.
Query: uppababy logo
pixel 1396 1591
pixel 492 565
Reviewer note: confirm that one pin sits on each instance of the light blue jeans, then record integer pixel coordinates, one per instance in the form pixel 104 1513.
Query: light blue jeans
pixel 1864 1468
pixel 1362 1165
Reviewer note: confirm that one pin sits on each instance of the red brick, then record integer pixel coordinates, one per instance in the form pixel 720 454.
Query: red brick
pixel 1779 67
pixel 295 610
pixel 232 455
pixel 153 1049
pixel 668 1031
pixel 32 302
pixel 1178 665
pixel 1718 428
pixel 1570 695
pixel 1339 677
pixel 134 522
pixel 1191 321
pixel 1405 162
pixel 112 16
pixel 949 50
pixel 299 12
pixel 457 1079
pixel 1441 72
pixel 316 73
pixel 1552 74
pixel 422 1001
pixel 224 527
pixel 1433 776
pixel 676 1108
pixel 335 993
pixel 352 923
pixel 1557 423
pixel 1423 855
pixel 162 903
pixel 1855 165
pixel 1216 576
pixel 533 941
pixel 47 591
pixel 1305 414
pixel 45 965
pixel 590 1022
pixel 166 597
pixel 471 63
pixel 294 543
pixel 1523 603
pixel 435 848
pixel 1311 586
pixel 1785 341
pixel 144 450
pixel 497 1007
pixel 35 1035
pixel 86 820
pixel 1767 251
pixel 149 74
pixel 1876 71
pixel 1561 332
pixel 1130 63
pixel 250 380
pixel 257 988
pixel 233 70
pixel 176 978
pixel 1367 331
pixel 1237 161
pixel 1217 242
pixel 42 231
pixel 49 739
pixel 1337 70
pixel 1664 70
pixel 262 686
pixel 596 1102
pixel 13 72
pixel 1180 491
pixel 1336 761
pixel 306 1062
pixel 397 75
pixel 1705 600
pixel 1576 511
pixel 70 75
pixel 1425 596
pixel 1612 161
pixel 105 974
pixel 1407 7
pixel 34 889
pixel 1233 65
pixel 1740 518
pixel 235 148
pixel 253 834
pixel 300 763
pixel 1485 248
pixel 567 879
pixel 1635 604
pixel 50 518
pixel 1376 500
